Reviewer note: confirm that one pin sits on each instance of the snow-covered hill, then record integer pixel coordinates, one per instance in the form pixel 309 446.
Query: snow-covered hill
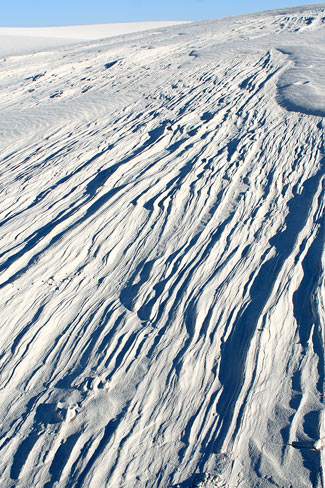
pixel 26 40
pixel 162 264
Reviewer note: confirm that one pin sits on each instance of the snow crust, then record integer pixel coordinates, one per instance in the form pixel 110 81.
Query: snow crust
pixel 162 258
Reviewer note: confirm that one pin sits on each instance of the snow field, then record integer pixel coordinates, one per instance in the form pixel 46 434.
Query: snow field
pixel 161 258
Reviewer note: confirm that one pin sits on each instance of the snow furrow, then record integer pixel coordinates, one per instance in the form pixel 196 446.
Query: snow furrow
pixel 161 259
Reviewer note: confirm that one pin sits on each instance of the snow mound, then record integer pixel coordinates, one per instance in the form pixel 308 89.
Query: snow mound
pixel 302 87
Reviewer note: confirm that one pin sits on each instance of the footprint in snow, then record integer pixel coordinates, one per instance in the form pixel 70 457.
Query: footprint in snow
pixel 67 413
pixel 94 384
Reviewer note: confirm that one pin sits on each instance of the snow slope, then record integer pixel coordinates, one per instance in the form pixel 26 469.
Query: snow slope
pixel 22 40
pixel 161 257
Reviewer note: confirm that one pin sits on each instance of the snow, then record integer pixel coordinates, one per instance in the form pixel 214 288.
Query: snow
pixel 319 444
pixel 162 256
pixel 22 40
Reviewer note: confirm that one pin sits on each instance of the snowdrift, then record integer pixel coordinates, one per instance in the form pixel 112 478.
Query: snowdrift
pixel 161 258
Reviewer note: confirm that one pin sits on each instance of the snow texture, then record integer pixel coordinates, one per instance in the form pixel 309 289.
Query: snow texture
pixel 22 40
pixel 162 258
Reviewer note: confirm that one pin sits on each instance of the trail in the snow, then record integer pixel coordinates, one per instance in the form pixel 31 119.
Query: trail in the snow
pixel 161 258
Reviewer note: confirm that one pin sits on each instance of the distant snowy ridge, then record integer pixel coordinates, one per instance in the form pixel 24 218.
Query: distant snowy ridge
pixel 20 40
pixel 162 258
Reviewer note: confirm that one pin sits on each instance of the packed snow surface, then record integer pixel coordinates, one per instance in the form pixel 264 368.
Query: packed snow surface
pixel 162 263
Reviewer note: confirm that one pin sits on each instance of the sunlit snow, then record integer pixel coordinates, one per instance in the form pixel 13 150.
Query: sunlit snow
pixel 161 257
pixel 22 40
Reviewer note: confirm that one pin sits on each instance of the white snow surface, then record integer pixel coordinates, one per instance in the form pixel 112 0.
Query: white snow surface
pixel 22 40
pixel 162 258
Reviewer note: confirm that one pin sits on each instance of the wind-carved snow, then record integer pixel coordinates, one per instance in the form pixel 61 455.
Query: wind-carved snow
pixel 162 262
pixel 302 87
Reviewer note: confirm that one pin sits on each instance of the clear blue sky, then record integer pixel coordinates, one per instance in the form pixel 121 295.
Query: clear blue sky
pixel 18 13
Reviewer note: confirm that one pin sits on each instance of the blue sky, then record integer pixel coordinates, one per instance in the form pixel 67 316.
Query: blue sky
pixel 18 13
